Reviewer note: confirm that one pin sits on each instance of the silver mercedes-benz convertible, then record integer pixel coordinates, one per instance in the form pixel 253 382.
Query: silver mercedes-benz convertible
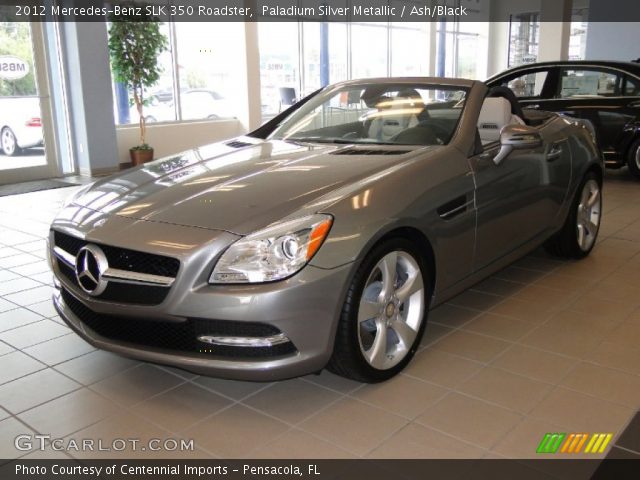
pixel 323 238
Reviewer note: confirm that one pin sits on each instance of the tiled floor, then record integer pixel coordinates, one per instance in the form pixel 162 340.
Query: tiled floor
pixel 543 346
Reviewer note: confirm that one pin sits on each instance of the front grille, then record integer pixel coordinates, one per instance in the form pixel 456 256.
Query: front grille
pixel 123 258
pixel 122 292
pixel 179 337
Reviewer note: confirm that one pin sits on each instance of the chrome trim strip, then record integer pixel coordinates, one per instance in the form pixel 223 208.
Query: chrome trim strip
pixel 125 276
pixel 269 341
pixel 117 275
pixel 65 256
pixel 447 215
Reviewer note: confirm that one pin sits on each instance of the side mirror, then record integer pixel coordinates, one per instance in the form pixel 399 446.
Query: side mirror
pixel 514 137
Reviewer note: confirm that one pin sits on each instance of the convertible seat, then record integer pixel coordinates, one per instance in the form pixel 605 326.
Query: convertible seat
pixel 395 115
pixel 494 115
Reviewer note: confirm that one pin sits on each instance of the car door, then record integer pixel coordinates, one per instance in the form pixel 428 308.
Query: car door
pixel 512 201
pixel 596 94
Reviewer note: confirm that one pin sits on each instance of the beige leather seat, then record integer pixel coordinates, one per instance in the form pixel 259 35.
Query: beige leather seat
pixel 393 119
pixel 494 115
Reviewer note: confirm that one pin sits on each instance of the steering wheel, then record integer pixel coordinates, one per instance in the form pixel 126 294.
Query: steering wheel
pixel 441 133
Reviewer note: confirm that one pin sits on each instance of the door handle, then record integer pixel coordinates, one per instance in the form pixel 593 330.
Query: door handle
pixel 535 106
pixel 554 153
pixel 635 104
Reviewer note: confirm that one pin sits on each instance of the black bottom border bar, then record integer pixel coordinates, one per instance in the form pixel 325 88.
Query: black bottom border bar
pixel 493 469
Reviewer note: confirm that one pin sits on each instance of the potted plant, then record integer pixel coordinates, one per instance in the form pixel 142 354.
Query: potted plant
pixel 134 48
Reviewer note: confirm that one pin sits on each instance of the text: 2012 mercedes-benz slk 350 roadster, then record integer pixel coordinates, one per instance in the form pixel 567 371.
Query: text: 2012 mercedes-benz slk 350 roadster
pixel 323 238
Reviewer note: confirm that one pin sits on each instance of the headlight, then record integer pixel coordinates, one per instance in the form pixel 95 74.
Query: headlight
pixel 274 253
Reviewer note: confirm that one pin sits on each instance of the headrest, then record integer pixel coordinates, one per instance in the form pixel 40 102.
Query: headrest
pixel 495 114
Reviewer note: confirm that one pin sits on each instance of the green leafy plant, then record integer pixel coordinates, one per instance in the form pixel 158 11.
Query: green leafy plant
pixel 134 48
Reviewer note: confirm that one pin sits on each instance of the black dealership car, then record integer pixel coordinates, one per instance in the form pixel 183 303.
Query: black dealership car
pixel 606 93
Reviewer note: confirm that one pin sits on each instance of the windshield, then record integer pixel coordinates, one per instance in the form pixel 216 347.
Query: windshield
pixel 387 114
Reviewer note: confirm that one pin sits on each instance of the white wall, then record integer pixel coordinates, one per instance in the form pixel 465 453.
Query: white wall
pixel 172 138
pixel 613 40
pixel 498 47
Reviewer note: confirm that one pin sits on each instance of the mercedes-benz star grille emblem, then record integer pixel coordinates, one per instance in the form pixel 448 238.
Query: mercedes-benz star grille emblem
pixel 91 263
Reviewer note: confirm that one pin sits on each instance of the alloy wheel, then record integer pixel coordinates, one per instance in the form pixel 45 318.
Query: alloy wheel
pixel 8 142
pixel 588 217
pixel 391 310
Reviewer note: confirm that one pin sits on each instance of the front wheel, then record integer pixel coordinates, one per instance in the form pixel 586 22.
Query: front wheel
pixel 384 314
pixel 8 142
pixel 634 159
pixel 580 231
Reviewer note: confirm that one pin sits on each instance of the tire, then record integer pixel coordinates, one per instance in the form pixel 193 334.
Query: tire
pixel 578 235
pixel 362 351
pixel 9 142
pixel 633 160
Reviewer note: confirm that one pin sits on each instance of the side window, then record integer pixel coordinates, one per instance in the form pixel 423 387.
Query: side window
pixel 589 83
pixel 631 87
pixel 528 85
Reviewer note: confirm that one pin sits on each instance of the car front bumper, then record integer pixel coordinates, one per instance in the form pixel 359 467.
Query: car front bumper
pixel 304 308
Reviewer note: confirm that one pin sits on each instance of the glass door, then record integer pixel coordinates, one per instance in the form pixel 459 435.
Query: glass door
pixel 26 136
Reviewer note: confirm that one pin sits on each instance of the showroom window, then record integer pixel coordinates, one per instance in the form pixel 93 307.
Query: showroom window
pixel 279 65
pixel 578 36
pixel 205 63
pixel 197 76
pixel 338 52
pixel 409 49
pixel 524 35
pixel 369 50
pixel 460 48
pixel 291 56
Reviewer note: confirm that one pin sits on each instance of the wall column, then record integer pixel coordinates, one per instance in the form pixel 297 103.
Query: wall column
pixel 90 101
pixel 555 30
pixel 249 110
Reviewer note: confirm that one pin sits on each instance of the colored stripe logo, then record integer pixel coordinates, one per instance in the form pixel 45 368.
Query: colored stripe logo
pixel 574 443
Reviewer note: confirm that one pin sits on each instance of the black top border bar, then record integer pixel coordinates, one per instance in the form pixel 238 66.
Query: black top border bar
pixel 410 11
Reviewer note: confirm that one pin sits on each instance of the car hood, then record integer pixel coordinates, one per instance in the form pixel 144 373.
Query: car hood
pixel 237 186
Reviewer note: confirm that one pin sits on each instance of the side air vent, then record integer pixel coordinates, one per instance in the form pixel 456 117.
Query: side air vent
pixel 369 151
pixel 238 144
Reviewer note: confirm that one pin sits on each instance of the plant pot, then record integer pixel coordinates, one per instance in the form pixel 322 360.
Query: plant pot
pixel 138 157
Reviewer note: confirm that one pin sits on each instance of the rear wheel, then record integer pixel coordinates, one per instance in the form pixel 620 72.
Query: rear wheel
pixel 384 314
pixel 578 235
pixel 634 159
pixel 8 142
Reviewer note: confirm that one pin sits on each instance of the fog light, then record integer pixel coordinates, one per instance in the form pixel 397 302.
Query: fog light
pixel 254 342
